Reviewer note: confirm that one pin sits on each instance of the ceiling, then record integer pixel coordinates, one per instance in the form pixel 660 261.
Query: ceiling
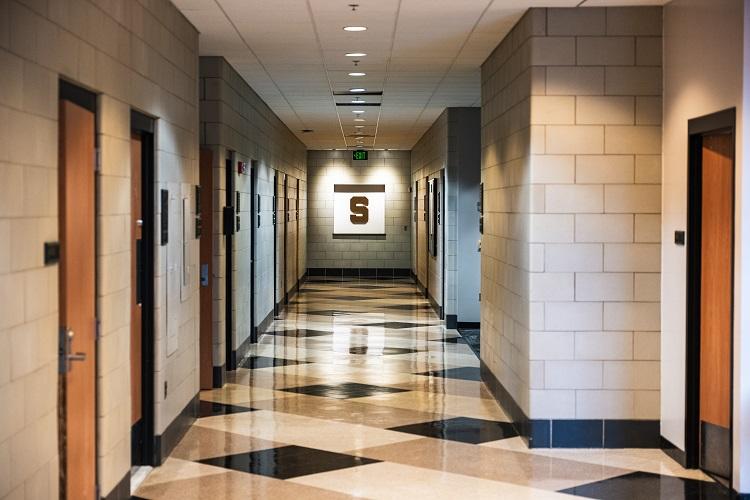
pixel 423 55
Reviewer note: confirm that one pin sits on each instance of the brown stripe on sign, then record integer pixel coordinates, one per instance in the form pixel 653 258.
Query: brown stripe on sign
pixel 359 188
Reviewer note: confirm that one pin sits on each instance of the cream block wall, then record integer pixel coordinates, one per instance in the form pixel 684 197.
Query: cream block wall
pixel 571 230
pixel 452 144
pixel 234 118
pixel 134 54
pixel 326 168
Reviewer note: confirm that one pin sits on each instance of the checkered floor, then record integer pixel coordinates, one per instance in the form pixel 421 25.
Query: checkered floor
pixel 358 390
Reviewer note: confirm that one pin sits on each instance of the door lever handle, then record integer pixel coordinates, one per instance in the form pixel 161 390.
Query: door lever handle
pixel 66 346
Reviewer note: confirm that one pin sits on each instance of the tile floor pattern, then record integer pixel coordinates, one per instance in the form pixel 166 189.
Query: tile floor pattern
pixel 350 396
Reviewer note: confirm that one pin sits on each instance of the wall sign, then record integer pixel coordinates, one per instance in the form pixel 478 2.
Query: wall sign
pixel 359 209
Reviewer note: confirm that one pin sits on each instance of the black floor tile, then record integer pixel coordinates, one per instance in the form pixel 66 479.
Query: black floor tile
pixel 409 307
pixel 210 409
pixel 346 298
pixel 395 325
pixel 330 312
pixel 254 362
pixel 647 486
pixel 346 390
pixel 451 340
pixel 288 461
pixel 380 351
pixel 298 333
pixel 461 373
pixel 472 337
pixel 463 429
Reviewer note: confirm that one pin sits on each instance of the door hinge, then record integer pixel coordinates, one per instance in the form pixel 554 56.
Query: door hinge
pixel 98 329
pixel 97 160
pixel 480 296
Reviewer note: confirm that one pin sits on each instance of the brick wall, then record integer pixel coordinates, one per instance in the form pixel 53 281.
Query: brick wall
pixel 571 165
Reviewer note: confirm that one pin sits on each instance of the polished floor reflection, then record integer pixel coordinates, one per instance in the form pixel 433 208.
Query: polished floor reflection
pixel 359 391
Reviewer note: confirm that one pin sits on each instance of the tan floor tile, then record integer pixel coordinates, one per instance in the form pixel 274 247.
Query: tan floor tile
pixel 200 443
pixel 442 404
pixel 339 410
pixel 304 431
pixel 498 465
pixel 241 394
pixel 389 480
pixel 231 485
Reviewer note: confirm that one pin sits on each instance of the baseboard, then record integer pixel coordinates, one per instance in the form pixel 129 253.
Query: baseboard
pixel 166 442
pixel 673 451
pixel 243 349
pixel 263 326
pixel 341 273
pixel 121 491
pixel 563 433
pixel 451 321
pixel 219 376
pixel 435 306
pixel 469 325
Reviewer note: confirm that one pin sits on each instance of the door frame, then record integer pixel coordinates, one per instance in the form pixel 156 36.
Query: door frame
pixel 254 225
pixel 274 217
pixel 229 228
pixel 285 298
pixel 144 126
pixel 721 121
pixel 88 100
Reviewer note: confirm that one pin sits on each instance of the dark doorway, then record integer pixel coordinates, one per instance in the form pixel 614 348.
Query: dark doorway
pixel 142 288
pixel 710 290
pixel 77 289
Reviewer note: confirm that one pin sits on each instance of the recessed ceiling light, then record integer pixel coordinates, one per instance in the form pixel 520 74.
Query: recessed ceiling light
pixel 355 28
pixel 356 54
pixel 357 90
pixel 358 101
pixel 359 126
pixel 359 119
pixel 357 73
pixel 358 111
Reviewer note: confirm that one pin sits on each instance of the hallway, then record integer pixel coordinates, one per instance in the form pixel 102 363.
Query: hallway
pixel 359 391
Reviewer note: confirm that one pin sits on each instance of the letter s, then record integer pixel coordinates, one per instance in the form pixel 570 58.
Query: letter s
pixel 360 213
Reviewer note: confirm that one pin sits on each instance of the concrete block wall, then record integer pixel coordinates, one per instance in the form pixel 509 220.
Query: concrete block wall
pixel 141 55
pixel 452 143
pixel 572 145
pixel 326 168
pixel 234 118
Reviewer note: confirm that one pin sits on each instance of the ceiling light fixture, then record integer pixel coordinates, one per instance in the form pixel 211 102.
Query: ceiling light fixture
pixel 355 28
pixel 357 73
pixel 359 119
pixel 359 126
pixel 357 90
pixel 355 54
pixel 358 101
pixel 358 111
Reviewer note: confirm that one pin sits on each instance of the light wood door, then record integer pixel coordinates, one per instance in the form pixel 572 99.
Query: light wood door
pixel 717 214
pixel 206 272
pixel 77 295
pixel 136 294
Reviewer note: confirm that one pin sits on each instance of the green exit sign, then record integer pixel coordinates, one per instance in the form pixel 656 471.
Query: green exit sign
pixel 359 155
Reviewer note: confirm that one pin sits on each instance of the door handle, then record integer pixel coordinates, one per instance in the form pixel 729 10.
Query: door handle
pixel 66 346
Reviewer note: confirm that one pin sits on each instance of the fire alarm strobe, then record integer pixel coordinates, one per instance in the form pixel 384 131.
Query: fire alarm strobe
pixel 241 167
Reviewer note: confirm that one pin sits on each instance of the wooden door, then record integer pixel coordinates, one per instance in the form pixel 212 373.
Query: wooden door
pixel 77 296
pixel 136 278
pixel 206 269
pixel 717 240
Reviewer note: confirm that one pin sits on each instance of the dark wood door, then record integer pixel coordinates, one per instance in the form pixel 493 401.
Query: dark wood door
pixel 717 240
pixel 136 278
pixel 206 269
pixel 77 297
